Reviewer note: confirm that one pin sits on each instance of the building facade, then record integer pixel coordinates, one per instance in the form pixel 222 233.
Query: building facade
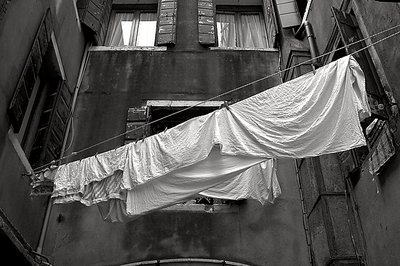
pixel 76 74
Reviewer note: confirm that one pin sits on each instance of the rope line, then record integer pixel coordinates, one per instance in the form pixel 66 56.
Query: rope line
pixel 234 90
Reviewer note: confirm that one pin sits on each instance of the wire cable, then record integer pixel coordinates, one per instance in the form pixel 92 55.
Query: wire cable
pixel 233 90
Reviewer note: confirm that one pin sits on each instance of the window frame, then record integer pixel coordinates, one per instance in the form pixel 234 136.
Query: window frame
pixel 126 8
pixel 238 11
pixel 24 139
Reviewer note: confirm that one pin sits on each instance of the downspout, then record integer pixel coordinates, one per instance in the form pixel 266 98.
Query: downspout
pixel 39 248
pixel 312 43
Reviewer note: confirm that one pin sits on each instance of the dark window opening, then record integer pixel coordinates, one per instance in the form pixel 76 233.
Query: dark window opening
pixel 302 5
pixel 157 112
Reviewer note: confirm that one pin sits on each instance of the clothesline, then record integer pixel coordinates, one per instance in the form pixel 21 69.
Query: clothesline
pixel 231 91
pixel 308 116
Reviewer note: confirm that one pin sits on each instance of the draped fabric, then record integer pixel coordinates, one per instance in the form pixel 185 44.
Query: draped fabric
pixel 226 30
pixel 241 30
pixel 124 28
pixel 252 32
pixel 133 29
pixel 226 153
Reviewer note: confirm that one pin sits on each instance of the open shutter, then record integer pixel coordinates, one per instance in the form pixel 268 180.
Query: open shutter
pixel 95 14
pixel 136 117
pixel 53 122
pixel 206 20
pixel 29 75
pixel 166 31
pixel 349 32
pixel 270 22
pixel 288 13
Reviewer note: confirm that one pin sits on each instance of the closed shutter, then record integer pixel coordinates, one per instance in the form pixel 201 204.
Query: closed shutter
pixel 166 31
pixel 288 13
pixel 29 75
pixel 136 118
pixel 206 20
pixel 349 32
pixel 95 14
pixel 270 22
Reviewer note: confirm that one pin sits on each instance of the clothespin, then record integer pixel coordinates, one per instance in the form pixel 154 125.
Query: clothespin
pixel 139 139
pixel 225 104
pixel 313 68
pixel 28 173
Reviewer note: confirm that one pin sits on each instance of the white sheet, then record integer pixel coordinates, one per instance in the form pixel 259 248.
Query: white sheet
pixel 308 116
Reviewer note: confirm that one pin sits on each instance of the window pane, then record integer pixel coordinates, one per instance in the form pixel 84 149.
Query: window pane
pixel 226 30
pixel 133 29
pixel 147 29
pixel 123 29
pixel 252 32
pixel 126 31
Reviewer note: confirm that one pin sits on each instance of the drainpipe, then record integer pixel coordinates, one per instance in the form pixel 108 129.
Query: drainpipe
pixel 39 248
pixel 312 43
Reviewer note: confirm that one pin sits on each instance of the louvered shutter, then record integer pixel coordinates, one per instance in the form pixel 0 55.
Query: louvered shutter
pixel 288 13
pixel 29 75
pixel 166 31
pixel 95 14
pixel 349 32
pixel 136 118
pixel 270 22
pixel 206 21
pixel 53 122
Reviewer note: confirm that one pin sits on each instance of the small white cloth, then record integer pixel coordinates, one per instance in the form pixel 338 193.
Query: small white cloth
pixel 219 154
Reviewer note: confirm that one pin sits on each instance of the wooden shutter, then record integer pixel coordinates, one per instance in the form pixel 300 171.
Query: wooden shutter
pixel 53 122
pixel 166 31
pixel 288 13
pixel 270 22
pixel 95 14
pixel 349 32
pixel 207 22
pixel 136 117
pixel 29 75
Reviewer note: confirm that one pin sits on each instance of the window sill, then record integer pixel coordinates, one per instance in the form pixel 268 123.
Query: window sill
pixel 243 49
pixel 128 48
pixel 215 208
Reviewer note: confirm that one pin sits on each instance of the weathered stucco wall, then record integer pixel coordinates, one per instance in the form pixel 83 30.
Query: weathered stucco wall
pixel 17 31
pixel 378 210
pixel 249 232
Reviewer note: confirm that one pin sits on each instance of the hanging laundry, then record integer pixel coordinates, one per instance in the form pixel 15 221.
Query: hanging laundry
pixel 382 145
pixel 308 116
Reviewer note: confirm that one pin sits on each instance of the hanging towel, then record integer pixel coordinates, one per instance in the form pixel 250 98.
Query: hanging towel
pixel 382 145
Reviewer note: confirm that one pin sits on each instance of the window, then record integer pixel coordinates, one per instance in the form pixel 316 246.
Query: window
pixel 345 34
pixel 153 111
pixel 241 29
pixel 136 28
pixel 39 108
